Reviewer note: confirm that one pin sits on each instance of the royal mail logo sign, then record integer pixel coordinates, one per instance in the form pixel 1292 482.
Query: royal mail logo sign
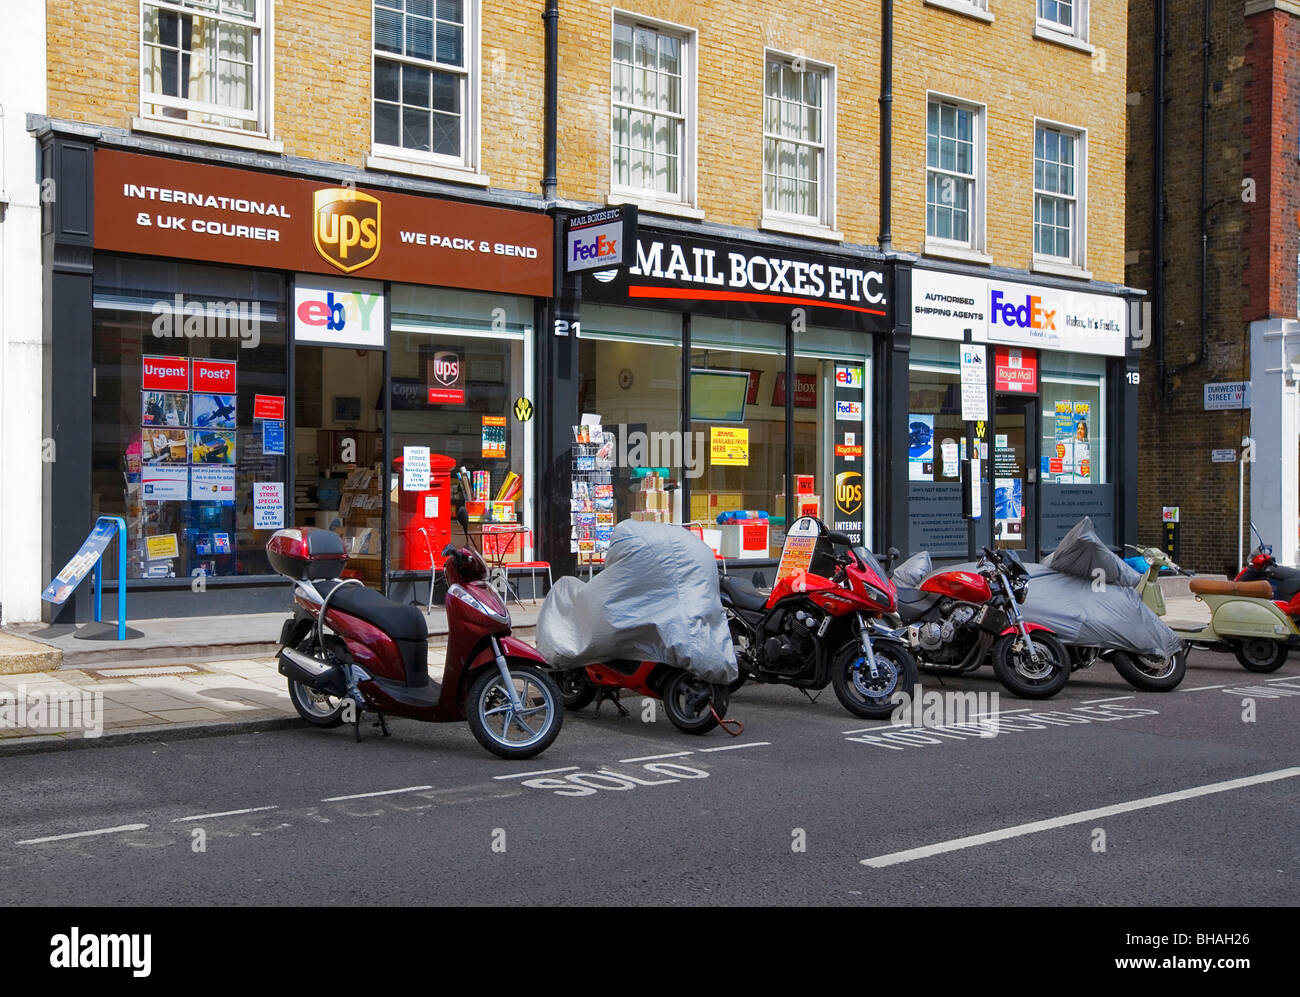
pixel 346 230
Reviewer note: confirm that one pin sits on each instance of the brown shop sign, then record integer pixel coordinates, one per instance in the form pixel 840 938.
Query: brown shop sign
pixel 164 207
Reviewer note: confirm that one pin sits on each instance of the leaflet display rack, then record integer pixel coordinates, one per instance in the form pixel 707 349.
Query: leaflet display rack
pixel 591 503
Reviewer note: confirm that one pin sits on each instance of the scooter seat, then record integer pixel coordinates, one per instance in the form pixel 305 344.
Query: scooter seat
pixel 1249 590
pixel 744 594
pixel 395 619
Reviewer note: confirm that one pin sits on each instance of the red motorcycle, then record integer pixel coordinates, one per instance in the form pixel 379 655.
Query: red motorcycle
pixel 693 706
pixel 374 656
pixel 820 623
pixel 1285 581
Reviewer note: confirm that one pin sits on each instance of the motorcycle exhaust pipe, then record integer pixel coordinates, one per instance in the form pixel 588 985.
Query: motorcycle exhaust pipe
pixel 312 672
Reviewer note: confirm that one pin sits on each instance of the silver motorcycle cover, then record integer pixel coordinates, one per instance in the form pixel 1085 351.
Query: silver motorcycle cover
pixel 912 572
pixel 655 600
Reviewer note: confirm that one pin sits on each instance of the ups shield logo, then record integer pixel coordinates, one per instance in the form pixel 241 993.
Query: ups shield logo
pixel 346 230
pixel 848 493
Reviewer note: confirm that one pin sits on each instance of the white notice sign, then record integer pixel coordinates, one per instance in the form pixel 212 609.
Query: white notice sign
pixel 415 469
pixel 974 383
pixel 268 505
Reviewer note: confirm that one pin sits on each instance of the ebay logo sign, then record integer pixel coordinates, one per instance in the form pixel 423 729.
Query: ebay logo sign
pixel 338 315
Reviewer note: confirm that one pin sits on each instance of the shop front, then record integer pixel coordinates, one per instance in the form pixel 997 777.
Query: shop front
pixel 254 351
pixel 731 385
pixel 1030 381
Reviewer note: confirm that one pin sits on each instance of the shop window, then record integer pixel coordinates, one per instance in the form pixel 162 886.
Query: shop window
pixel 798 156
pixel 460 361
pixel 1073 392
pixel 652 104
pixel 424 66
pixel 203 62
pixel 936 447
pixel 1058 174
pixel 180 353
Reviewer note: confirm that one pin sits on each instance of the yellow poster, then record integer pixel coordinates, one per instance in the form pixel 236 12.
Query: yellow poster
pixel 163 546
pixel 729 446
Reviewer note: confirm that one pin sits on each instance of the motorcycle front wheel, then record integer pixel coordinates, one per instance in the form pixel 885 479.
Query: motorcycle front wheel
pixel 1151 674
pixel 691 703
pixel 502 729
pixel 1261 654
pixel 867 697
pixel 1040 676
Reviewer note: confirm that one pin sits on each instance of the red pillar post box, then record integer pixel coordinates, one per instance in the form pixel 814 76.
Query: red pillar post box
pixel 425 509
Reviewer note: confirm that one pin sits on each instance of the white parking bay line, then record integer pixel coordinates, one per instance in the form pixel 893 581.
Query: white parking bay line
pixel 382 792
pixel 1290 678
pixel 83 834
pixel 1202 688
pixel 1112 699
pixel 527 775
pixel 654 758
pixel 1083 816
pixel 224 813
pixel 737 747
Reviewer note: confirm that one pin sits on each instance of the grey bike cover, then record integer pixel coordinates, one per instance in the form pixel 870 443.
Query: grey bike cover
pixel 1088 595
pixel 655 600
pixel 912 572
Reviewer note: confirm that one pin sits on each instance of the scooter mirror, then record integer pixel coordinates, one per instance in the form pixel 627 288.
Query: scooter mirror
pixel 462 517
pixel 839 539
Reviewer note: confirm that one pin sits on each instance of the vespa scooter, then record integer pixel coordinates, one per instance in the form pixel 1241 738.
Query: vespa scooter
pixel 374 656
pixel 1244 619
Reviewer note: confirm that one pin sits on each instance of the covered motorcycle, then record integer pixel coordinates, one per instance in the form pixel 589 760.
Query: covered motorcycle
pixel 651 622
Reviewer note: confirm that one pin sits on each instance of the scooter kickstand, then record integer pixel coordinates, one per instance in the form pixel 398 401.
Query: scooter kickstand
pixel 382 725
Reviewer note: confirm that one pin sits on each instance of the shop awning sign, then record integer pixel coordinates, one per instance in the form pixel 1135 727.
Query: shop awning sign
pixel 600 240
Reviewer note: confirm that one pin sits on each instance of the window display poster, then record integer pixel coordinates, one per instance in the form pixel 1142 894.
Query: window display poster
pixel 949 452
pixel 214 411
pixel 728 446
pixel 1008 508
pixel 164 408
pixel 211 447
pixel 164 484
pixel 445 373
pixel 212 543
pixel 165 446
pixel 415 469
pixel 920 447
pixel 161 547
pixel 273 437
pixel 494 436
pixel 1072 461
pixel 212 484
pixel 268 505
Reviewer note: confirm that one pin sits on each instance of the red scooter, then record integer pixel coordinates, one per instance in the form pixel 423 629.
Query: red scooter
pixel 693 706
pixel 375 654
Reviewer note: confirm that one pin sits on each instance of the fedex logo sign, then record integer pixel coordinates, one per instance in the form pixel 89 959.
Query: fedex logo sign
pixel 338 316
pixel 599 249
pixel 1029 315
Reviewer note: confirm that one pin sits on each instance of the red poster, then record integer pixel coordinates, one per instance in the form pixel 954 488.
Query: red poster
pixel 165 374
pixel 844 450
pixel 446 396
pixel 753 536
pixel 215 376
pixel 1015 370
pixel 268 407
pixel 751 397
pixel 805 391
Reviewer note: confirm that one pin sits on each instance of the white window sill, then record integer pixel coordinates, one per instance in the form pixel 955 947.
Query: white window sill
pixel 1062 38
pixel 432 171
pixel 963 7
pixel 951 252
pixel 655 206
pixel 202 133
pixel 791 226
pixel 1041 265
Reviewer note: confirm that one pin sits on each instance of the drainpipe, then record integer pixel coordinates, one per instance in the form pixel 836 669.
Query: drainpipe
pixel 1158 200
pixel 552 19
pixel 886 125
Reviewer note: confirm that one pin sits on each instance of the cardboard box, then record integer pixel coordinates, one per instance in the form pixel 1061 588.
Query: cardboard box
pixel 699 507
pixel 744 541
pixel 725 502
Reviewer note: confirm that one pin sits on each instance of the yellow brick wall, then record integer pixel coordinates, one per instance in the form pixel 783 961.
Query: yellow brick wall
pixel 322 75
pixel 1018 77
pixel 730 37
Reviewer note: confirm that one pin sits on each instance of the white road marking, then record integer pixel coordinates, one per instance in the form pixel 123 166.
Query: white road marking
pixel 528 775
pixel 83 834
pixel 654 758
pixel 1083 816
pixel 1201 688
pixel 382 792
pixel 736 747
pixel 1290 678
pixel 973 716
pixel 224 813
pixel 1112 699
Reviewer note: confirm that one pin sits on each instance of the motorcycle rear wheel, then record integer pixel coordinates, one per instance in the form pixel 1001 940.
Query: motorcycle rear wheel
pixel 498 727
pixel 859 693
pixel 1041 678
pixel 576 689
pixel 1260 654
pixel 318 708
pixel 687 701
pixel 1151 674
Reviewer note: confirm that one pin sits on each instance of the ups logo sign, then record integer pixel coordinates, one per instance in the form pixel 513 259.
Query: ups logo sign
pixel 346 230
pixel 848 493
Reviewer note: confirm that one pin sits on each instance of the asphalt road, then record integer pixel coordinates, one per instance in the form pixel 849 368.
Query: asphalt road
pixel 1138 796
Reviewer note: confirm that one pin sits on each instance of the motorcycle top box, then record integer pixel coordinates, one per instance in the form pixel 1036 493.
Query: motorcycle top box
pixel 307 554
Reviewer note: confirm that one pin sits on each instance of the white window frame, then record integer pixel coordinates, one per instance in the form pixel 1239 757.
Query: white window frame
pixel 822 225
pixel 462 168
pixel 1075 36
pixel 685 203
pixel 1075 264
pixel 977 9
pixel 975 248
pixel 261 79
